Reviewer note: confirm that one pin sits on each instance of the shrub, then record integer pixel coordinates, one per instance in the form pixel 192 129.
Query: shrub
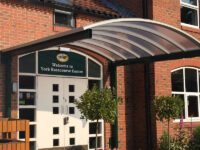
pixel 194 143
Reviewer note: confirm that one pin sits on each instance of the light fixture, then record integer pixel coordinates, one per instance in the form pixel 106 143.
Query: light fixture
pixel 64 49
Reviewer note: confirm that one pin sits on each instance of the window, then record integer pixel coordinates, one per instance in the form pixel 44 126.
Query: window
pixel 185 84
pixel 190 12
pixel 56 130
pixel 27 63
pixel 71 99
pixel 27 113
pixel 26 98
pixel 55 110
pixel 55 98
pixel 71 130
pixel 72 141
pixel 63 18
pixel 71 110
pixel 92 128
pixel 55 88
pixel 55 142
pixel 26 82
pixel 71 88
pixel 92 142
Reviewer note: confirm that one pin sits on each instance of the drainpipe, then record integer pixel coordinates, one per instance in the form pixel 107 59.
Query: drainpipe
pixel 145 9
pixel 8 84
pixel 147 80
pixel 114 128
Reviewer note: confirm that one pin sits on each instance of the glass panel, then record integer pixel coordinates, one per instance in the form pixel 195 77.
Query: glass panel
pixel 193 106
pixel 32 145
pixel 26 98
pixel 72 141
pixel 55 110
pixel 55 98
pixel 94 70
pixel 71 129
pixel 191 80
pixel 177 80
pixel 63 18
pixel 55 87
pixel 71 99
pixel 27 113
pixel 55 142
pixel 192 2
pixel 189 16
pixel 71 110
pixel 27 63
pixel 22 135
pixel 56 130
pixel 71 88
pixel 92 141
pixel 26 82
pixel 32 131
pixel 92 128
pixel 91 83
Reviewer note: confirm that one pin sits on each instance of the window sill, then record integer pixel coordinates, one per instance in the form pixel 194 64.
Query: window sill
pixel 187 120
pixel 189 28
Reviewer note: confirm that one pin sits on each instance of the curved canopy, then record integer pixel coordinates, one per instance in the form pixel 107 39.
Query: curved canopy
pixel 129 39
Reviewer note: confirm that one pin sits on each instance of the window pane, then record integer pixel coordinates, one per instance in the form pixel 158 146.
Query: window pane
pixel 92 143
pixel 63 18
pixel 91 83
pixel 192 2
pixel 55 99
pixel 71 99
pixel 71 110
pixel 32 145
pixel 27 113
pixel 55 130
pixel 71 88
pixel 193 106
pixel 27 63
pixel 55 110
pixel 177 80
pixel 71 130
pixel 26 82
pixel 72 141
pixel 26 98
pixel 191 80
pixel 92 128
pixel 55 87
pixel 94 70
pixel 32 131
pixel 189 16
pixel 55 142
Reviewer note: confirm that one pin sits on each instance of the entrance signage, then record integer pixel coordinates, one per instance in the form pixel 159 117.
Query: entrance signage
pixel 61 63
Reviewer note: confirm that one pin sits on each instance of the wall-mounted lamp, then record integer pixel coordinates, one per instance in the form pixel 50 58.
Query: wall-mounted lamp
pixel 14 87
pixel 64 49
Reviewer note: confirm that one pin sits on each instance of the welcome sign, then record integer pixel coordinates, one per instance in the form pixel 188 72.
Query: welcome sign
pixel 61 63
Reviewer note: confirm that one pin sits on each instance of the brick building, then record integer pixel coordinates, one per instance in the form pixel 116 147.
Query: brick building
pixel 36 86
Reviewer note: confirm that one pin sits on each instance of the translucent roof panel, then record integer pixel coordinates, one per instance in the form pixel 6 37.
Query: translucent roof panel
pixel 132 38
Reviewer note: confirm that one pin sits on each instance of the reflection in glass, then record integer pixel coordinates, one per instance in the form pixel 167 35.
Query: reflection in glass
pixel 191 80
pixel 177 80
pixel 189 16
pixel 26 98
pixel 193 106
pixel 191 2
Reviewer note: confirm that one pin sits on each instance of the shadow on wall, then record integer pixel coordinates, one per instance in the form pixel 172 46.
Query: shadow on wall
pixel 135 114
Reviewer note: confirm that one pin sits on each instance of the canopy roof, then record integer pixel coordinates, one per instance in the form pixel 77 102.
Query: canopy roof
pixel 123 40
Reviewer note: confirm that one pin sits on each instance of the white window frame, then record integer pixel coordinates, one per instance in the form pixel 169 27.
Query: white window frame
pixel 186 94
pixel 72 23
pixel 183 4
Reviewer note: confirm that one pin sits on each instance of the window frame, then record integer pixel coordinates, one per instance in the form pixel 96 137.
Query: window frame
pixel 196 8
pixel 72 21
pixel 186 94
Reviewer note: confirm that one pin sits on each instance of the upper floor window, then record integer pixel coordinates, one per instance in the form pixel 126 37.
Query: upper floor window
pixel 63 18
pixel 190 12
pixel 186 85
